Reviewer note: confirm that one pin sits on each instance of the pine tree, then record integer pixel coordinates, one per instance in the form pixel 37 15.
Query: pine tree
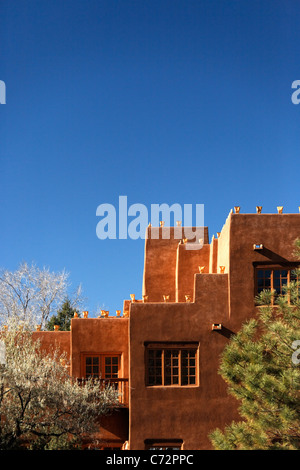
pixel 261 365
pixel 63 317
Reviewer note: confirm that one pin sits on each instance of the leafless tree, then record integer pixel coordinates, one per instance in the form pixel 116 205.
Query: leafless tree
pixel 39 402
pixel 32 294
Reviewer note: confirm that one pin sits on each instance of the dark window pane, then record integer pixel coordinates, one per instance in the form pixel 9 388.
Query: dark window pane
pixel 151 380
pixel 88 360
pixel 184 354
pixel 167 380
pixel 184 371
pixel 158 380
pixel 184 362
pixel 184 380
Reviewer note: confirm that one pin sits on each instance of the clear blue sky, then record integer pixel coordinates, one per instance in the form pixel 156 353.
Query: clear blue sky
pixel 165 101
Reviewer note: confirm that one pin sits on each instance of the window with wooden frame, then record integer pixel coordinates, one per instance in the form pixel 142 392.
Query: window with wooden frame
pixel 163 444
pixel 171 364
pixel 105 366
pixel 274 278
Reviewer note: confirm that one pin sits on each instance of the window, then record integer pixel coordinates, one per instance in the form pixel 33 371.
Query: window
pixel 171 364
pixel 105 366
pixel 275 278
pixel 172 444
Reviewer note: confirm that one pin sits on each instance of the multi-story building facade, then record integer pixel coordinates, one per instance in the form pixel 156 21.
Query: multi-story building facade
pixel 163 352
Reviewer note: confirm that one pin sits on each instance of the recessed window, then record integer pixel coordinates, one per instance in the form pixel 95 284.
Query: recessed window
pixel 274 279
pixel 171 365
pixel 159 444
pixel 105 366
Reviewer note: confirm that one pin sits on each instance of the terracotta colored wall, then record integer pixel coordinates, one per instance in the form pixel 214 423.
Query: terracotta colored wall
pixel 186 413
pixel 103 335
pixel 188 262
pixel 160 262
pixel 160 265
pixel 190 413
pixel 277 232
pixel 223 258
pixel 114 426
pixel 53 339
pixel 213 255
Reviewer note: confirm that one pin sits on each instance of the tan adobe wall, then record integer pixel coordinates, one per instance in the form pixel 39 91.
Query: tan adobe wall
pixel 99 335
pixel 54 339
pixel 188 262
pixel 161 263
pixel 186 413
pixel 277 233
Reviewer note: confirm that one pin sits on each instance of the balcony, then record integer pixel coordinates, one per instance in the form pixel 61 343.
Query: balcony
pixel 119 384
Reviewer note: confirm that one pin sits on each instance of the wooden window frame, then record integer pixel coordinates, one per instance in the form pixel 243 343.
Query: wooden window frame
pixel 163 347
pixel 163 444
pixel 278 267
pixel 101 357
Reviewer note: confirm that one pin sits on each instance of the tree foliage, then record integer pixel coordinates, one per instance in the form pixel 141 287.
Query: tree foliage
pixel 40 405
pixel 63 317
pixel 261 368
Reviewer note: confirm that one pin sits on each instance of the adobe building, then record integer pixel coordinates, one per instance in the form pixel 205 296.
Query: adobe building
pixel 163 353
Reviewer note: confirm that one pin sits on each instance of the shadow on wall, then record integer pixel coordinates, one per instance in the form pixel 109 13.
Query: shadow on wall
pixel 225 332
